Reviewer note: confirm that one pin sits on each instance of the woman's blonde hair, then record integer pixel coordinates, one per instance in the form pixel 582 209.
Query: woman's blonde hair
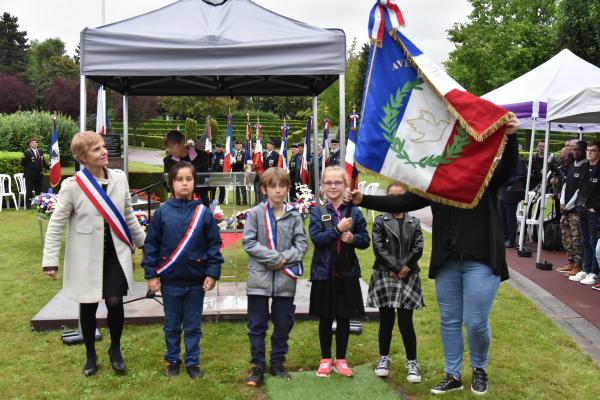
pixel 82 142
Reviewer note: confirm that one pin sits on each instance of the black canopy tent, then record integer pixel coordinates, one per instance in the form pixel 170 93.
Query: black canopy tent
pixel 209 48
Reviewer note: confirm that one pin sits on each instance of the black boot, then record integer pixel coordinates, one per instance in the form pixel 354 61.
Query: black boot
pixel 91 365
pixel 116 360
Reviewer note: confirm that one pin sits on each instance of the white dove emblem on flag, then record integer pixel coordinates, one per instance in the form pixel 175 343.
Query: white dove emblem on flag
pixel 427 128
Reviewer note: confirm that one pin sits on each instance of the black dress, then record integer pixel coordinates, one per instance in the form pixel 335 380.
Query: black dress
pixel 114 282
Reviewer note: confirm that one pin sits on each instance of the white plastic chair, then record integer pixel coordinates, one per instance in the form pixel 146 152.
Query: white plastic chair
pixel 371 189
pixel 6 191
pixel 21 189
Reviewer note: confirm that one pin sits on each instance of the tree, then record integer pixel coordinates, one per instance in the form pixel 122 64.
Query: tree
pixel 14 94
pixel 197 107
pixel 282 106
pixel 502 40
pixel 141 108
pixel 578 29
pixel 13 46
pixel 363 62
pixel 46 63
pixel 63 96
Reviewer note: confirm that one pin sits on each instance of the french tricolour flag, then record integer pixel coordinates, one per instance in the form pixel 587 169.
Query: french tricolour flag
pixel 421 128
pixel 304 174
pixel 257 160
pixel 55 173
pixel 228 147
pixel 282 161
pixel 101 115
pixel 351 147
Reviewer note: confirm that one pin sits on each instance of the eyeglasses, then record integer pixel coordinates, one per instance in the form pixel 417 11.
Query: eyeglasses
pixel 592 150
pixel 333 183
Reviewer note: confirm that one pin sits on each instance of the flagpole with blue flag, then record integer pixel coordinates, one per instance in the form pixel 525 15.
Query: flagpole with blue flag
pixel 55 172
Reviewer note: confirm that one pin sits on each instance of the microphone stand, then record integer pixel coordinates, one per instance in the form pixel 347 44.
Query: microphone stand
pixel 147 191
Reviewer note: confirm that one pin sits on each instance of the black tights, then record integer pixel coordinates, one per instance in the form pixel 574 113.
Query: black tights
pixel 342 333
pixel 115 319
pixel 407 330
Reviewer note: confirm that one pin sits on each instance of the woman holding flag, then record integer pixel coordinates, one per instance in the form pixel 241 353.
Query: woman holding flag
pixel 102 236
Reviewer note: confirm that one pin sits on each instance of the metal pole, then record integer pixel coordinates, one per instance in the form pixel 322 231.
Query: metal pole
pixel 316 146
pixel 528 182
pixel 342 136
pixel 126 135
pixel 103 12
pixel 82 103
pixel 543 198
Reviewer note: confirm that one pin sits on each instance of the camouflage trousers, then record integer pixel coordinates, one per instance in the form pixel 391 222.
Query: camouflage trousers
pixel 571 237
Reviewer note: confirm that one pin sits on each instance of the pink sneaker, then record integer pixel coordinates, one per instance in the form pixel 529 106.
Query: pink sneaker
pixel 341 367
pixel 325 368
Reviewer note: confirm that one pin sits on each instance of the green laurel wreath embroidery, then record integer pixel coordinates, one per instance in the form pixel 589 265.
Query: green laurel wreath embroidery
pixel 389 124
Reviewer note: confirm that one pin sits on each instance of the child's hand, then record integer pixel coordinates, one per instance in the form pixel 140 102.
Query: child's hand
pixel 347 237
pixel 354 196
pixel 345 224
pixel 403 272
pixel 209 283
pixel 154 284
pixel 281 262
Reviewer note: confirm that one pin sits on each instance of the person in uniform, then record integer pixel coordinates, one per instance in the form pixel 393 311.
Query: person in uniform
pixel 218 160
pixel 33 166
pixel 270 157
pixel 334 157
pixel 238 166
pixel 294 168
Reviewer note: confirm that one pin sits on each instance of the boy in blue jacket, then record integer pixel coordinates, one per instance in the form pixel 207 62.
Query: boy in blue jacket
pixel 182 259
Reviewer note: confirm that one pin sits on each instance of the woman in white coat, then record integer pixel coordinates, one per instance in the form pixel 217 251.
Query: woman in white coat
pixel 102 235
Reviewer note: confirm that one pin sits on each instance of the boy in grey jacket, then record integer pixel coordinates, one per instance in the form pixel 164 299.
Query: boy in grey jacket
pixel 275 241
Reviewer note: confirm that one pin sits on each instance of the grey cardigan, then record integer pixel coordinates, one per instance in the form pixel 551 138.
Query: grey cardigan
pixel 264 276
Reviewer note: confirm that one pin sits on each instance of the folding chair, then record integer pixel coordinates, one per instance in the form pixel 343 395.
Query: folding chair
pixel 6 191
pixel 21 189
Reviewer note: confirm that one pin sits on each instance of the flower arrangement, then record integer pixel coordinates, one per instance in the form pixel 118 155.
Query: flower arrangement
pixel 45 203
pixel 142 217
pixel 305 200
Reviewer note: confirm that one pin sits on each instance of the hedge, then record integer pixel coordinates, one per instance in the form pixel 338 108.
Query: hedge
pixel 16 129
pixel 10 162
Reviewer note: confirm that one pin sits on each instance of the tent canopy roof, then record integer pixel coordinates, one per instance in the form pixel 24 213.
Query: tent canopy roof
pixel 577 107
pixel 231 48
pixel 563 73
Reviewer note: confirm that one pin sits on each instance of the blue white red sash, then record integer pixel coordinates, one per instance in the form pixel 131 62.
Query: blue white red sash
pixel 271 231
pixel 189 236
pixel 104 205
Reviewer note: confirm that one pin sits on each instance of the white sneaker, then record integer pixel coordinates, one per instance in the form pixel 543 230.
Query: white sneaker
pixel 413 374
pixel 578 277
pixel 382 369
pixel 591 279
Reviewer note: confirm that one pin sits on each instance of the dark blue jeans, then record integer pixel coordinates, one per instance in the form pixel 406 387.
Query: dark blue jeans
pixel 282 315
pixel 588 225
pixel 183 306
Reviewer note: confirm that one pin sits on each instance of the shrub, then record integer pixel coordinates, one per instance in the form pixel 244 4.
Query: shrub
pixel 14 94
pixel 10 162
pixel 17 128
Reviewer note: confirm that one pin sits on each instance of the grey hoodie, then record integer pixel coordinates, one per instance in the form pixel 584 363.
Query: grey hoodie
pixel 264 275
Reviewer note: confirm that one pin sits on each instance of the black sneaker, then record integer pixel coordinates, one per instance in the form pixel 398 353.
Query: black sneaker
pixel 448 384
pixel 194 372
pixel 257 376
pixel 279 371
pixel 172 369
pixel 479 385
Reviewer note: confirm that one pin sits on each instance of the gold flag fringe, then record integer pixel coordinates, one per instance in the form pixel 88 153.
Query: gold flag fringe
pixel 475 135
pixel 436 198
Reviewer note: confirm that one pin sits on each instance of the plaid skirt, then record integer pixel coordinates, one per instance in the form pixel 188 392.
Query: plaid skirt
pixel 395 293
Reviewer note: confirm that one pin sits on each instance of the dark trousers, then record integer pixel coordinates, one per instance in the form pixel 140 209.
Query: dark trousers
pixel 508 213
pixel 183 306
pixel 406 327
pixel 282 316
pixel 241 195
pixel 32 185
pixel 588 225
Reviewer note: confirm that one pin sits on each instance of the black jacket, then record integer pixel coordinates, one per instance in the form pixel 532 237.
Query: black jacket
pixel 238 165
pixel 218 161
pixel 33 166
pixel 589 189
pixel 396 246
pixel 467 234
pixel 270 160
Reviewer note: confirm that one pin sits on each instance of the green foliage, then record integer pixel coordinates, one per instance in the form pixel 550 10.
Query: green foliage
pixel 196 107
pixel 17 128
pixel 579 30
pixel 502 40
pixel 363 63
pixel 138 180
pixel 10 162
pixel 154 142
pixel 191 127
pixel 13 46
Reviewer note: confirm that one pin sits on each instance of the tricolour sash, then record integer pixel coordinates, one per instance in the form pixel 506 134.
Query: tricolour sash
pixel 271 231
pixel 190 234
pixel 104 205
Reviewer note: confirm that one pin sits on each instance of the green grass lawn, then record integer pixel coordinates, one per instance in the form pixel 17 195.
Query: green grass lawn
pixel 134 166
pixel 531 358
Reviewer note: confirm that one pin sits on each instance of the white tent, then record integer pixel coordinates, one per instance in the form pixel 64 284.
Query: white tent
pixel 527 96
pixel 578 107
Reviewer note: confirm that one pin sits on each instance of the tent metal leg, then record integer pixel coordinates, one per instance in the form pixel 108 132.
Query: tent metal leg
pixel 539 264
pixel 316 147
pixel 522 251
pixel 126 134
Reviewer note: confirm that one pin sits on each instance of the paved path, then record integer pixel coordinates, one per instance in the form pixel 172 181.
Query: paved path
pixel 574 307
pixel 146 155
